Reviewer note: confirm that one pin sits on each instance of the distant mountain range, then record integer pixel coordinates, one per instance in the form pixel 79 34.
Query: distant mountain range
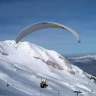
pixel 86 62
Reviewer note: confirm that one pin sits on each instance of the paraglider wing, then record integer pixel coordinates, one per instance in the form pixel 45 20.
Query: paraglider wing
pixel 43 25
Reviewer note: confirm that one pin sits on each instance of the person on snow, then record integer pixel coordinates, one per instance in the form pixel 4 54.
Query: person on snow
pixel 43 84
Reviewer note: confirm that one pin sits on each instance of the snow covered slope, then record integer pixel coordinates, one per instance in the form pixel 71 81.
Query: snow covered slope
pixel 23 66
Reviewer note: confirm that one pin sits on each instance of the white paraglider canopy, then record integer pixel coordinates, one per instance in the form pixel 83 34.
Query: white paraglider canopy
pixel 43 25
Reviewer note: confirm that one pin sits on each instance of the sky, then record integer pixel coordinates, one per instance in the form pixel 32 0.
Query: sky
pixel 80 15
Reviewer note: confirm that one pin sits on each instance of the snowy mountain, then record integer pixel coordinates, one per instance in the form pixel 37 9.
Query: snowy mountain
pixel 23 65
